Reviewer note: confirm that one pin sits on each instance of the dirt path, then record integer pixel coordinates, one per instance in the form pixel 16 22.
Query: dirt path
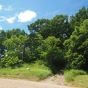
pixel 18 83
pixel 56 79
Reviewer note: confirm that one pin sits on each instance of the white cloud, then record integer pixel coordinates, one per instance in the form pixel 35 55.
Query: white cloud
pixel 0 28
pixel 2 18
pixel 22 17
pixel 11 19
pixel 26 16
pixel 9 8
pixel 0 7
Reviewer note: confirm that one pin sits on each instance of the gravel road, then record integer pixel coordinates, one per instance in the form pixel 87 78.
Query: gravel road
pixel 18 83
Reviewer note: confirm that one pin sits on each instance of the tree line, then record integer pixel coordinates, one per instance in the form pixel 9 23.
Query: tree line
pixel 60 42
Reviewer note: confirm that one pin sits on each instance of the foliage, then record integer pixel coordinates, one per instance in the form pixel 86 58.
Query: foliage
pixel 15 45
pixel 51 53
pixel 55 27
pixel 4 35
pixel 76 47
pixel 10 61
pixel 78 18
pixel 31 53
pixel 2 38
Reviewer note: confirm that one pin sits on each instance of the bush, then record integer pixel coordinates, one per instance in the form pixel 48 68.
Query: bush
pixel 10 61
pixel 71 74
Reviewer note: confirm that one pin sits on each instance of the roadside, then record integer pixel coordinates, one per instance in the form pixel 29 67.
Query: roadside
pixel 56 79
pixel 17 83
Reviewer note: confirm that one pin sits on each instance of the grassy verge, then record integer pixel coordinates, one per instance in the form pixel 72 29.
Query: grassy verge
pixel 36 72
pixel 77 78
pixel 81 81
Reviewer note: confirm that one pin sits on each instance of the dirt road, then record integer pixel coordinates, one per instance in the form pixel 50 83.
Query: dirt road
pixel 18 83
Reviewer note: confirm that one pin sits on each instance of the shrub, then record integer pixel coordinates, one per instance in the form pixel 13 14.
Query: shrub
pixel 10 61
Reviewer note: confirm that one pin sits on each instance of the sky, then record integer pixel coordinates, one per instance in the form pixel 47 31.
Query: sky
pixel 20 13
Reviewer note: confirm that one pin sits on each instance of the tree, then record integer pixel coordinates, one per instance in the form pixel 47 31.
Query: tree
pixel 78 18
pixel 76 47
pixel 59 25
pixel 16 32
pixel 7 35
pixel 55 27
pixel 15 45
pixel 35 40
pixel 2 38
pixel 38 27
pixel 15 51
pixel 51 53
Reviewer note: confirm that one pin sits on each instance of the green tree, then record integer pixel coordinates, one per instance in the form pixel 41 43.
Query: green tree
pixel 16 32
pixel 51 53
pixel 35 40
pixel 15 51
pixel 2 38
pixel 15 45
pixel 57 26
pixel 76 47
pixel 6 35
pixel 38 27
pixel 78 18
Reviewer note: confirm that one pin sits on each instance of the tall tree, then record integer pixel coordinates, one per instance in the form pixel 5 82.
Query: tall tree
pixel 35 40
pixel 76 47
pixel 15 45
pixel 16 32
pixel 51 53
pixel 55 27
pixel 2 38
pixel 38 25
pixel 59 25
pixel 78 18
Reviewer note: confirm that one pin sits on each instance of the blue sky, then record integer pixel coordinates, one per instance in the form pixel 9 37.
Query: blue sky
pixel 20 13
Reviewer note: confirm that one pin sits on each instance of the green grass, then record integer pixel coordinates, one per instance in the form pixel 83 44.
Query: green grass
pixel 81 81
pixel 71 74
pixel 77 78
pixel 36 72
